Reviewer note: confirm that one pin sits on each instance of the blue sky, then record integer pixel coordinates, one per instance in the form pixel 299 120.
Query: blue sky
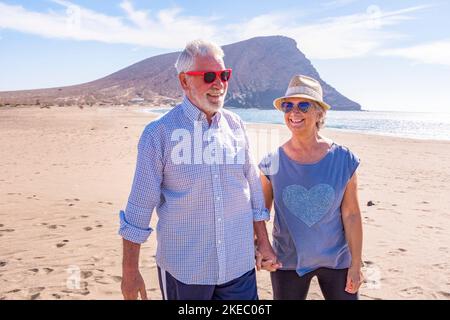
pixel 386 55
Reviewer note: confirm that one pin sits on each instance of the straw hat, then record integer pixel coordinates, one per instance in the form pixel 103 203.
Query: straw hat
pixel 302 86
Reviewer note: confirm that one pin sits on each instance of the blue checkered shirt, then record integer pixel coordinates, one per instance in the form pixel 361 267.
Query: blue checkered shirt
pixel 206 191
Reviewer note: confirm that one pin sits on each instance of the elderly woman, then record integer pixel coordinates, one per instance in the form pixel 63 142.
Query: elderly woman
pixel 312 182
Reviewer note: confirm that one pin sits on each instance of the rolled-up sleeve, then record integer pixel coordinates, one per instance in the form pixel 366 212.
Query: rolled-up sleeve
pixel 145 192
pixel 260 212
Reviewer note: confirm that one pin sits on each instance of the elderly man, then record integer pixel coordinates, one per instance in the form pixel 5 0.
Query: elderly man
pixel 193 166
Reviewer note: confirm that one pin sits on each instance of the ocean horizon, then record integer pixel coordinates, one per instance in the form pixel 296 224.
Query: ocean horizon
pixel 415 125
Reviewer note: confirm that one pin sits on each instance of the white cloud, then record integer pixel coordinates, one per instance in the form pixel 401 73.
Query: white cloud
pixel 330 38
pixel 437 52
pixel 139 18
pixel 168 29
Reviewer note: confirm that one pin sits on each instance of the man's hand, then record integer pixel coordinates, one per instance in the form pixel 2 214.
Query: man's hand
pixel 266 258
pixel 132 285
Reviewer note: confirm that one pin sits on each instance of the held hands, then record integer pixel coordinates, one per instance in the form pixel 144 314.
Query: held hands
pixel 266 258
pixel 132 285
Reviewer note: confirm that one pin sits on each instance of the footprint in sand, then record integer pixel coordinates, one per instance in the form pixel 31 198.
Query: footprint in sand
pixel 14 291
pixel 3 263
pixel 35 296
pixel 99 280
pixel 84 288
pixel 85 292
pixel 1 225
pixel 36 289
pixel 57 296
pixel 84 216
pixel 34 270
pixel 48 270
pixel 368 220
pixel 441 266
pixel 87 228
pixel 398 251
pixel 445 294
pixel 7 230
pixel 95 258
pixel 117 278
pixel 86 274
pixel 70 201
pixel 60 245
pixel 412 291
pixel 36 292
pixel 99 226
pixel 41 224
pixel 110 203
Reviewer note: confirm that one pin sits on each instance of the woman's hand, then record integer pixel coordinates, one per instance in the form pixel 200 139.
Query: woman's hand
pixel 354 279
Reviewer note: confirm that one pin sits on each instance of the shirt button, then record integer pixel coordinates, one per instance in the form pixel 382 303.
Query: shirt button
pixel 218 198
pixel 219 242
pixel 216 176
pixel 219 219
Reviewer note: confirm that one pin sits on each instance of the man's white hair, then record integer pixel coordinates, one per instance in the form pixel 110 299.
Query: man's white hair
pixel 196 48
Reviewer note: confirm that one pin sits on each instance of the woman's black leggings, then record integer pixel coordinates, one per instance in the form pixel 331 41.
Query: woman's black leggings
pixel 288 285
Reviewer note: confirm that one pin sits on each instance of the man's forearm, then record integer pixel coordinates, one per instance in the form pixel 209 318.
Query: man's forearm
pixel 130 260
pixel 261 235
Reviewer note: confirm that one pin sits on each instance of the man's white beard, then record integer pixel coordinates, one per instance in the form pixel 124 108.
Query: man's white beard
pixel 209 107
pixel 212 107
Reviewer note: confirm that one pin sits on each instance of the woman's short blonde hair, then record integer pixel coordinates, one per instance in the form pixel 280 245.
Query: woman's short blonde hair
pixel 321 115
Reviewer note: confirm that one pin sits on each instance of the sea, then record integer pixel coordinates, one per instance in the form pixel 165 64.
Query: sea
pixel 416 125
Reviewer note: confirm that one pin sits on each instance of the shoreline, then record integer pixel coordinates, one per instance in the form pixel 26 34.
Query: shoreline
pixel 147 109
pixel 352 131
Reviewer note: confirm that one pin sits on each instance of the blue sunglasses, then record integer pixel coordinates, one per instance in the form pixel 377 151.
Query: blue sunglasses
pixel 303 106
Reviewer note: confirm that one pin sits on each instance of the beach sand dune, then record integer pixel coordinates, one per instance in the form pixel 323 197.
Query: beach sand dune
pixel 66 172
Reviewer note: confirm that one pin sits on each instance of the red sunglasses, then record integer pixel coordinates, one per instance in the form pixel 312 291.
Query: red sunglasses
pixel 210 76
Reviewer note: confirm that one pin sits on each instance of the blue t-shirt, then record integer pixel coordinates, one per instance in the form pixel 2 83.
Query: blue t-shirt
pixel 308 232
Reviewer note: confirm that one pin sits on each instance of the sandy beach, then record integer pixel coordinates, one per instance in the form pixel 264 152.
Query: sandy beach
pixel 65 172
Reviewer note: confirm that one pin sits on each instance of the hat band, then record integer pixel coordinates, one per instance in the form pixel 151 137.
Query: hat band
pixel 304 90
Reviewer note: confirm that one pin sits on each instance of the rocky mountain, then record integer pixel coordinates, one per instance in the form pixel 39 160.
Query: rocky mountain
pixel 262 68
